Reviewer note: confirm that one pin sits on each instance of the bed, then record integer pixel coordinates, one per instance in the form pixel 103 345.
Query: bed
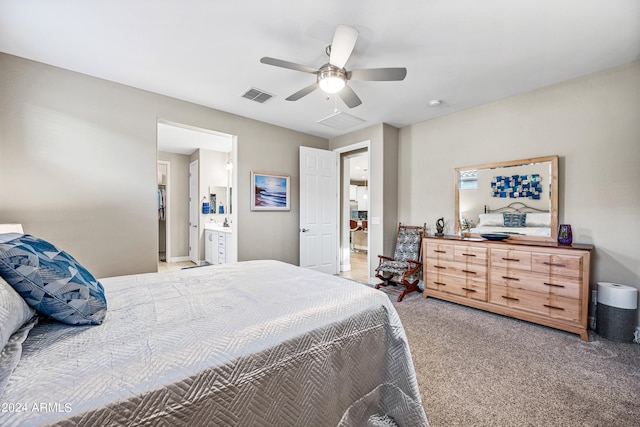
pixel 249 343
pixel 515 218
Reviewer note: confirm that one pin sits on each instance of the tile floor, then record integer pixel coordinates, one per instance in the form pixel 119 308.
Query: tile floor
pixel 173 266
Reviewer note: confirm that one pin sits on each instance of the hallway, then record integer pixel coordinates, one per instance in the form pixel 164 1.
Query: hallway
pixel 358 270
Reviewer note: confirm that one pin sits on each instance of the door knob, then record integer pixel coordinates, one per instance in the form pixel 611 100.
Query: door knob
pixel 304 230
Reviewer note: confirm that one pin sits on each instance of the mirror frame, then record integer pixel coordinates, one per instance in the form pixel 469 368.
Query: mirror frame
pixel 553 197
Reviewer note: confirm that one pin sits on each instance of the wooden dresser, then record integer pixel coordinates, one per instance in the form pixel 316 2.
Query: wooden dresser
pixel 540 282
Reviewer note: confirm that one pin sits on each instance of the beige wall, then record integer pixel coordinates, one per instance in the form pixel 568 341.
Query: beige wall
pixel 592 123
pixel 78 167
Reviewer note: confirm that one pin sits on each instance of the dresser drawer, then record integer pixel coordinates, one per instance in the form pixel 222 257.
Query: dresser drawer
pixel 554 306
pixel 505 258
pixel 535 282
pixel 457 269
pixel 557 265
pixel 466 287
pixel 438 251
pixel 470 254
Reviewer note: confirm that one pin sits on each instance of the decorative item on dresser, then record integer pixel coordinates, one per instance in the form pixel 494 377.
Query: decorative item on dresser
pixel 540 282
pixel 565 236
pixel 440 227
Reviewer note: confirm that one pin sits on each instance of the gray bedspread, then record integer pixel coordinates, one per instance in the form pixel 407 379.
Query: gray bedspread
pixel 258 343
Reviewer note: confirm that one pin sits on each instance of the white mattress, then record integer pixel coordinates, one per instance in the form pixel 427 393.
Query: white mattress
pixel 252 343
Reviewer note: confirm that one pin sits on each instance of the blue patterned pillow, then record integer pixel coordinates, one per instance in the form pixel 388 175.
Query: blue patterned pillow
pixel 515 219
pixel 51 281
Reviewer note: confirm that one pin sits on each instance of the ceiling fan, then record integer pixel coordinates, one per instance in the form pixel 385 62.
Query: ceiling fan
pixel 332 77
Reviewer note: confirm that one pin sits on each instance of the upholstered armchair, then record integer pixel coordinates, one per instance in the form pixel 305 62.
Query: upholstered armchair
pixel 405 267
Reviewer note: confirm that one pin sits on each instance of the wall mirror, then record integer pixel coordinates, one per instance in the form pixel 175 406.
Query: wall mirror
pixel 518 197
pixel 220 197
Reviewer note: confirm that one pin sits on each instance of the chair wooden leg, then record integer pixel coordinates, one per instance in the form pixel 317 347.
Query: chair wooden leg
pixel 411 287
pixel 383 283
pixel 385 280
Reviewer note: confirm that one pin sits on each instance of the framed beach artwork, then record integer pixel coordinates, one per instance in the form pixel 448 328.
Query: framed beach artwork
pixel 270 192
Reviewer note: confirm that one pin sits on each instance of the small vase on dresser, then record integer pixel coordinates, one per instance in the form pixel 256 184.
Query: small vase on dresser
pixel 565 236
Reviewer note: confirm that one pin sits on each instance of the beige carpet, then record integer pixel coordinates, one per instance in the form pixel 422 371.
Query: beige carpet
pixel 481 369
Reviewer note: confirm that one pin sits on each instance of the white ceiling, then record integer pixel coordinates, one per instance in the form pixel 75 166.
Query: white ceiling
pixel 359 167
pixel 465 52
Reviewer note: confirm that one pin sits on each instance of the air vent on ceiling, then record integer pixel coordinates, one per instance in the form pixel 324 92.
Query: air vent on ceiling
pixel 257 95
pixel 341 120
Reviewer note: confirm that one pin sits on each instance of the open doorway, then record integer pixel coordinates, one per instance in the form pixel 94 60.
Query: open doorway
pixel 355 214
pixel 181 214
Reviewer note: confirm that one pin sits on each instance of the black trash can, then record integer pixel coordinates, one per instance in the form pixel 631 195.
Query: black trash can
pixel 617 311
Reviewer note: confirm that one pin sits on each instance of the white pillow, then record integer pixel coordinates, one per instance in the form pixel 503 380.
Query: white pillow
pixel 536 219
pixel 491 220
pixel 11 228
pixel 14 312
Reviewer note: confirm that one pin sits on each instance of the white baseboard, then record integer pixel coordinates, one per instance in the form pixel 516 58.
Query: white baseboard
pixel 179 259
pixel 637 335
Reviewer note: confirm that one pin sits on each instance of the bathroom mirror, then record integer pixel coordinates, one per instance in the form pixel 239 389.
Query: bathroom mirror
pixel 518 197
pixel 221 198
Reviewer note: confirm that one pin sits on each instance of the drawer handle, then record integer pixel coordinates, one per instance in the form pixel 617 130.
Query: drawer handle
pixel 510 298
pixel 554 285
pixel 468 254
pixel 469 290
pixel 469 272
pixel 554 264
pixel 511 259
pixel 554 307
pixel 510 278
pixel 440 283
pixel 439 252
pixel 439 266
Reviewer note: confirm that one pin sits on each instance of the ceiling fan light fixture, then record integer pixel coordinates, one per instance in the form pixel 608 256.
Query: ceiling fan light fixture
pixel 331 79
pixel 331 84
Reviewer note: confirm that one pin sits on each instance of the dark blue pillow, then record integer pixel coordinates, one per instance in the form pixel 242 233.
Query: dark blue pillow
pixel 515 219
pixel 51 280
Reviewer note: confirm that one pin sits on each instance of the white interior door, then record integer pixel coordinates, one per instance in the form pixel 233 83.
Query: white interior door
pixel 194 213
pixel 319 210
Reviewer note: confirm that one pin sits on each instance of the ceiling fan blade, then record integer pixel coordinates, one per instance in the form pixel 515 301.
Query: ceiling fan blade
pixel 289 65
pixel 349 97
pixel 344 40
pixel 303 92
pixel 378 74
